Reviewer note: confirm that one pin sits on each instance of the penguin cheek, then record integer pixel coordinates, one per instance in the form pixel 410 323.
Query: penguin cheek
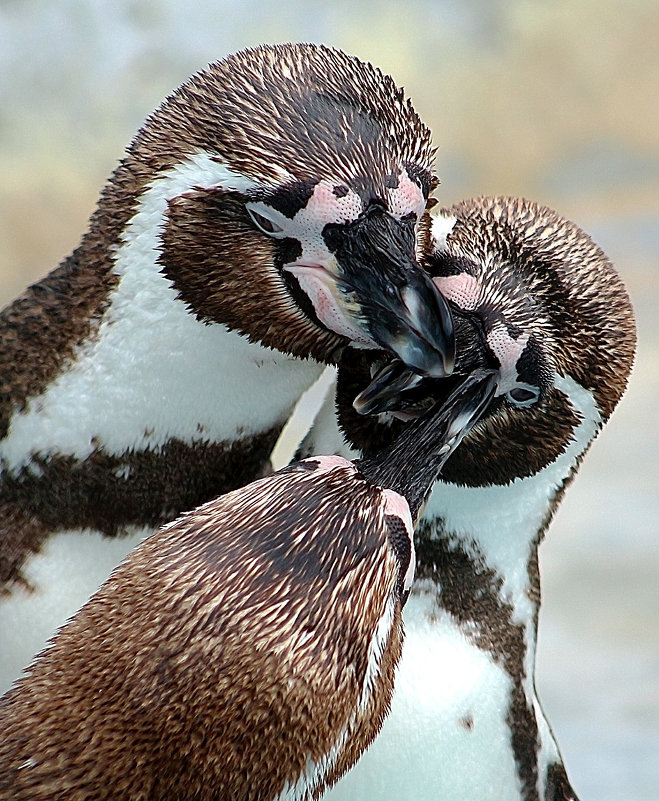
pixel 210 253
pixel 513 443
pixel 334 312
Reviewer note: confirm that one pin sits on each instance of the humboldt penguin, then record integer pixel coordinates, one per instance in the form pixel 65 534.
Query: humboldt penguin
pixel 246 650
pixel 535 299
pixel 263 218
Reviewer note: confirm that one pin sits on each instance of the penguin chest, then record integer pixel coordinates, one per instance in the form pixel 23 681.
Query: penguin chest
pixel 137 389
pixel 142 425
pixel 448 735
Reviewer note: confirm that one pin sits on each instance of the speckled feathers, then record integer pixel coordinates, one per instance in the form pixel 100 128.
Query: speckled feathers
pixel 291 112
pixel 225 658
pixel 556 278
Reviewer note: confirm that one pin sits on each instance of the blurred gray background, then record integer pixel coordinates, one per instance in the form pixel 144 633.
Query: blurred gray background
pixel 557 101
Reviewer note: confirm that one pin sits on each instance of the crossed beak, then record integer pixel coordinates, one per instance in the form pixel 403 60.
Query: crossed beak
pixel 374 292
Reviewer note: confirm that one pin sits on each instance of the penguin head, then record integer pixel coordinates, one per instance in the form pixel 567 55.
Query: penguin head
pixel 296 180
pixel 536 301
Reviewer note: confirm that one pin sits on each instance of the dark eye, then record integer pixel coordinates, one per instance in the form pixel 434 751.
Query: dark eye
pixel 264 223
pixel 523 395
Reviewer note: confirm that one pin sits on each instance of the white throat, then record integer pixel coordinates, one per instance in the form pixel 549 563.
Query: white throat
pixel 501 523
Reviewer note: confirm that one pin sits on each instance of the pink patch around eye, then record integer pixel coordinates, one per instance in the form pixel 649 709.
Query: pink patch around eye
pixel 507 350
pixel 325 207
pixel 406 198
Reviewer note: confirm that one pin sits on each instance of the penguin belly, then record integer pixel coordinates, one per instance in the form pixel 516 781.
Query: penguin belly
pixel 447 735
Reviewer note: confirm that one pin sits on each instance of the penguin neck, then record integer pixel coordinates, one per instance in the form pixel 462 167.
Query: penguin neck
pixel 410 465
pixel 477 547
pixel 409 468
pixel 502 525
pixel 478 581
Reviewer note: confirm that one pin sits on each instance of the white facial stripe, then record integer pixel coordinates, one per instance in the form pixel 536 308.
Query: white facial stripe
pixel 519 508
pixel 126 387
pixel 440 229
pixel 464 290
pixel 406 198
pixel 198 170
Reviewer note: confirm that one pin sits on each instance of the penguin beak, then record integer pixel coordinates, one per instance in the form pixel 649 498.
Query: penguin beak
pixel 374 292
pixel 464 407
pixel 396 389
pixel 417 456
pixel 389 391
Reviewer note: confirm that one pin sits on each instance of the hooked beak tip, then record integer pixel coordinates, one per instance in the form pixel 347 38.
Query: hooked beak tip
pixel 426 341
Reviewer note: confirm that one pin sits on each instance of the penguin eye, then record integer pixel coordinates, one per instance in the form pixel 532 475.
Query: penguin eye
pixel 523 395
pixel 264 219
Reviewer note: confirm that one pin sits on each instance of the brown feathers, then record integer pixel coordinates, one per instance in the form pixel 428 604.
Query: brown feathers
pixel 110 493
pixel 222 268
pixel 300 111
pixel 231 655
pixel 275 115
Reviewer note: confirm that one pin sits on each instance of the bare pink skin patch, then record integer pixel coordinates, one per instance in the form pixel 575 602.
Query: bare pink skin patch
pixel 406 198
pixel 316 270
pixel 323 207
pixel 319 285
pixel 464 290
pixel 507 350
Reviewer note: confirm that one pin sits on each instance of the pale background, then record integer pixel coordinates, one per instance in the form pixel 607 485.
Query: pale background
pixel 558 101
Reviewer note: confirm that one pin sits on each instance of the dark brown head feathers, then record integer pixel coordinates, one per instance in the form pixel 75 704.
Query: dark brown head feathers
pixel 577 295
pixel 300 109
pixel 540 276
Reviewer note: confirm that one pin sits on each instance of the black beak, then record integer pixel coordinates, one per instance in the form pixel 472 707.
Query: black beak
pixel 388 390
pixel 453 420
pixel 413 462
pixel 397 389
pixel 385 290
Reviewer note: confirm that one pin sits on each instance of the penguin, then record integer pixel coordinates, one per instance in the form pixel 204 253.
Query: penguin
pixel 246 650
pixel 264 218
pixel 535 299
